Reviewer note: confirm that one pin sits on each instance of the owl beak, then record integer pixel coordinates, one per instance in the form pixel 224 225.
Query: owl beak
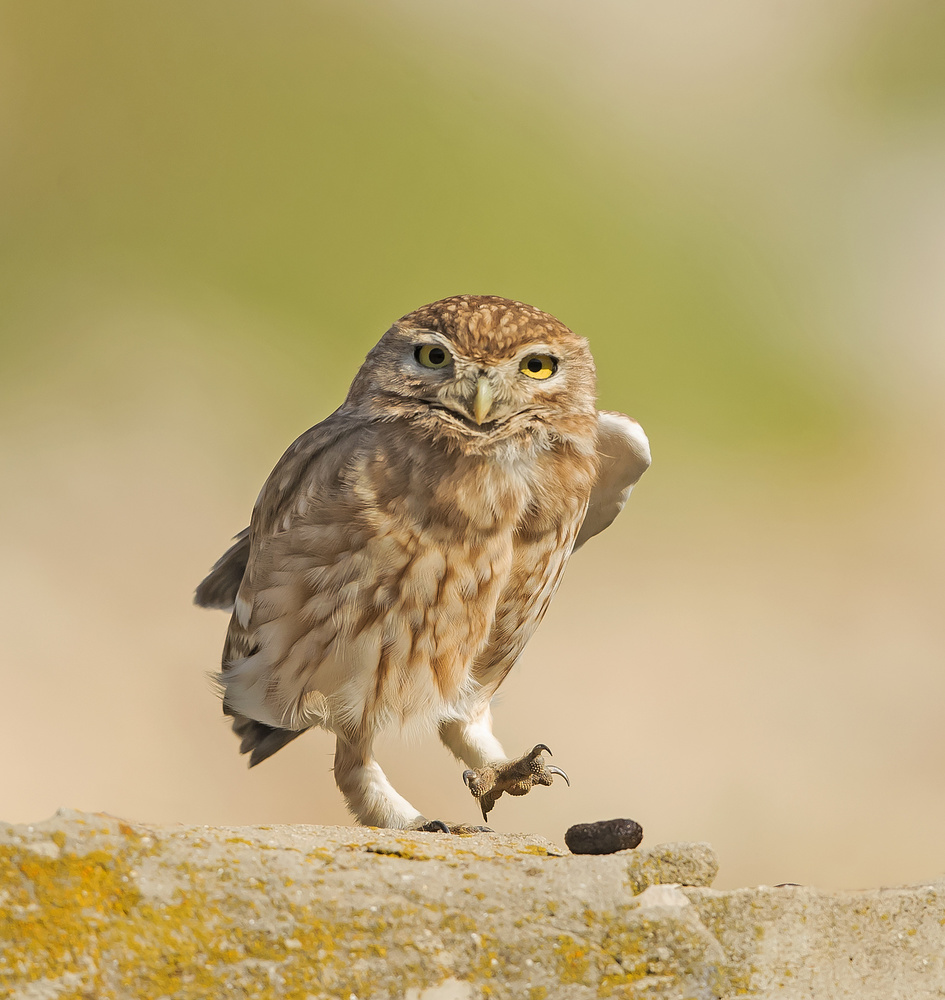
pixel 483 401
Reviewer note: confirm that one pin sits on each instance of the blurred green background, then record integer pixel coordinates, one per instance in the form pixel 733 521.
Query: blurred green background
pixel 210 211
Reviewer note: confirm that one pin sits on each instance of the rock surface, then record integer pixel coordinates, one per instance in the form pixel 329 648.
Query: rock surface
pixel 94 907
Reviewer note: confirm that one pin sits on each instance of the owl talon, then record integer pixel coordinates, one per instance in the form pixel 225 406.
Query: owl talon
pixel 438 826
pixel 487 784
pixel 434 826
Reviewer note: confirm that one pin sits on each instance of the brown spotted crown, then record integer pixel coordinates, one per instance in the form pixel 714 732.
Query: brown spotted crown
pixel 486 324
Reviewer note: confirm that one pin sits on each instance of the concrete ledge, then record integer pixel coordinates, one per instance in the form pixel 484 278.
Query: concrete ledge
pixel 94 907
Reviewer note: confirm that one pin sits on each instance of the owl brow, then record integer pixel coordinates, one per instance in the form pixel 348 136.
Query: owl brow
pixel 429 338
pixel 539 348
pixel 421 333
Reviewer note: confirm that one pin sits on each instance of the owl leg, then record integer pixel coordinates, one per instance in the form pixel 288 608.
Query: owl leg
pixel 471 739
pixel 490 773
pixel 517 777
pixel 373 799
pixel 370 796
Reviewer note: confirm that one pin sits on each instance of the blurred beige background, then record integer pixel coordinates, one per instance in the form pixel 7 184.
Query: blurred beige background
pixel 208 214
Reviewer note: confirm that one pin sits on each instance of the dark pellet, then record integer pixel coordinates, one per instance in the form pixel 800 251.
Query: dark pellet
pixel 604 837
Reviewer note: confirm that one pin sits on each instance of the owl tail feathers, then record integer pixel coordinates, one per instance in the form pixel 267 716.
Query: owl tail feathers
pixel 258 739
pixel 222 584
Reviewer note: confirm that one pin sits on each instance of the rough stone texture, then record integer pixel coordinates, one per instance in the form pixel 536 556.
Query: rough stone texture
pixel 94 907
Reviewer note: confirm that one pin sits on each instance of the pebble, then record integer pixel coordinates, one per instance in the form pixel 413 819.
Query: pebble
pixel 607 836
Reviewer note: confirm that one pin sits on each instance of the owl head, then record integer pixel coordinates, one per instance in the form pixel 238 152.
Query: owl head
pixel 478 368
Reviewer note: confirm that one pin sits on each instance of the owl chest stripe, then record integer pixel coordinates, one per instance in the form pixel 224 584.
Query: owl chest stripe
pixel 534 580
pixel 430 609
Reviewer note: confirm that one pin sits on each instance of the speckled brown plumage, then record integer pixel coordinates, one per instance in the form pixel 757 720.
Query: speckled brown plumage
pixel 403 551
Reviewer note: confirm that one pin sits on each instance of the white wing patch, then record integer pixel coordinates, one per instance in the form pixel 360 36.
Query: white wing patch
pixel 624 453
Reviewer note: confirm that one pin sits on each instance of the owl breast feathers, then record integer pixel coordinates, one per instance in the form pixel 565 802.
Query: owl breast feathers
pixel 403 551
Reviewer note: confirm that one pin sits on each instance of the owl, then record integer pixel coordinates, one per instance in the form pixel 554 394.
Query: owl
pixel 404 550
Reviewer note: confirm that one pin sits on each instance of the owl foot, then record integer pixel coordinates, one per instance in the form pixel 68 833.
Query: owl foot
pixel 517 777
pixel 438 826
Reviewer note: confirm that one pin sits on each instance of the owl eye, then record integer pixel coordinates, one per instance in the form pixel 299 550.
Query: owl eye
pixel 432 356
pixel 538 366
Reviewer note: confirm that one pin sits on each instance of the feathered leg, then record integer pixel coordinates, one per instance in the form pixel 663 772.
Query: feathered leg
pixel 471 739
pixel 490 773
pixel 370 796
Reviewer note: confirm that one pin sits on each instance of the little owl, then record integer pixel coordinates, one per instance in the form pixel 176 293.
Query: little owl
pixel 403 551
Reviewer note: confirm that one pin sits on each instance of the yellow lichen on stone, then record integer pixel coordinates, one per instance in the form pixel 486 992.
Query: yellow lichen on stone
pixel 83 915
pixel 572 960
pixel 57 910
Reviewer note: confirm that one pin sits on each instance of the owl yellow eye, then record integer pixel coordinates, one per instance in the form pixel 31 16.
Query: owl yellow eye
pixel 432 356
pixel 538 366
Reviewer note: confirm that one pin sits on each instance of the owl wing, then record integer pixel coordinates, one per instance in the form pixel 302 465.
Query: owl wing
pixel 303 519
pixel 221 585
pixel 260 576
pixel 624 454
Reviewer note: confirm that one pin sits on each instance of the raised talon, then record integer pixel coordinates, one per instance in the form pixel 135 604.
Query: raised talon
pixel 550 768
pixel 517 777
